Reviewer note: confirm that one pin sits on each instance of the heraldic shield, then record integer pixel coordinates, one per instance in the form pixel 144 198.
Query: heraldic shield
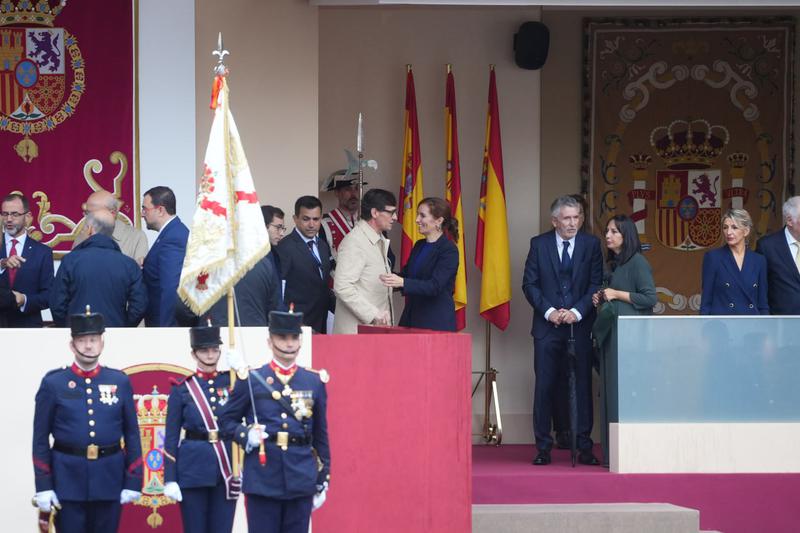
pixel 151 386
pixel 689 206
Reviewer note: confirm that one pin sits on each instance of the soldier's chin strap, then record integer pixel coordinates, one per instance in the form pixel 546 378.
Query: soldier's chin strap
pixel 276 349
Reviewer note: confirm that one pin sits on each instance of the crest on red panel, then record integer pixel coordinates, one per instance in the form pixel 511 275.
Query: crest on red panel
pixel 38 63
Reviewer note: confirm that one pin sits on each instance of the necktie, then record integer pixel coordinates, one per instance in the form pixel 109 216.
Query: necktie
pixel 565 258
pixel 316 259
pixel 797 254
pixel 12 272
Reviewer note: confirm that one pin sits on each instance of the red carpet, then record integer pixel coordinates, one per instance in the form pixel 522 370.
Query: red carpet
pixel 731 503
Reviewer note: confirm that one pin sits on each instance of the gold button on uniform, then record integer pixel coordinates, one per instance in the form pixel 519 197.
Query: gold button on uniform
pixel 212 399
pixel 284 425
pixel 88 380
pixel 241 434
pixel 283 415
pixel 210 381
pixel 88 391
pixel 89 401
pixel 91 411
pixel 91 433
pixel 211 389
pixel 91 422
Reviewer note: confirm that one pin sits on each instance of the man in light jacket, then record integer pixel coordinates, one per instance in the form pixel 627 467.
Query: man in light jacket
pixel 361 298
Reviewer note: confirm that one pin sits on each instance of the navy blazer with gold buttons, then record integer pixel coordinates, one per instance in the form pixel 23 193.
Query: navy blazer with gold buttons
pixel 730 291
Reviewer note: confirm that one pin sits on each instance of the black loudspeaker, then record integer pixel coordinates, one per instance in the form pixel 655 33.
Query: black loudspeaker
pixel 531 44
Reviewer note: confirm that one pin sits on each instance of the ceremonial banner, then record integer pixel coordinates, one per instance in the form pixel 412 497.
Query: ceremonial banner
pixel 151 387
pixel 452 191
pixel 228 235
pixel 683 120
pixel 492 256
pixel 67 109
pixel 411 181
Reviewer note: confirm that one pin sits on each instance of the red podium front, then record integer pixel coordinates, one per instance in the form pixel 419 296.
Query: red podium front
pixel 400 429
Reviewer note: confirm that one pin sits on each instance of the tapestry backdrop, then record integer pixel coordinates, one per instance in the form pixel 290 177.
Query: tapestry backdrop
pixel 66 109
pixel 682 120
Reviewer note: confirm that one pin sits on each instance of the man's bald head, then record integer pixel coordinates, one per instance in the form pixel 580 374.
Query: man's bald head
pixel 102 200
pixel 101 222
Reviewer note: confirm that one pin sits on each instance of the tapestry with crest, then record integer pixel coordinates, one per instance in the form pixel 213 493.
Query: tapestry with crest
pixel 67 109
pixel 682 120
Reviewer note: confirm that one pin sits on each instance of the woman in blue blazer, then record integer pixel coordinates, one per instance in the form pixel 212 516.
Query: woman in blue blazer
pixel 429 276
pixel 734 277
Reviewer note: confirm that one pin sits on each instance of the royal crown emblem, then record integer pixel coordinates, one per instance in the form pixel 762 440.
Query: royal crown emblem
pixel 42 73
pixel 689 145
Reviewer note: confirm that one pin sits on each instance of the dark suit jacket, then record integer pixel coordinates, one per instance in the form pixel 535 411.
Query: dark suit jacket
pixel 7 302
pixel 541 285
pixel 162 272
pixel 310 293
pixel 782 275
pixel 729 291
pixel 429 290
pixel 97 273
pixel 34 280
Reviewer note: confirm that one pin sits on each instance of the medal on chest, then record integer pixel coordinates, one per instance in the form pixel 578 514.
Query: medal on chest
pixel 108 394
pixel 303 403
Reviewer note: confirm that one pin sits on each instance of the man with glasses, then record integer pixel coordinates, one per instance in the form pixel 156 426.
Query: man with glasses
pixel 162 265
pixel 273 220
pixel 361 298
pixel 26 265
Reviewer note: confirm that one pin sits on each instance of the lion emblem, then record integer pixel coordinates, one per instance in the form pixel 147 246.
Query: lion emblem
pixel 45 50
pixel 708 192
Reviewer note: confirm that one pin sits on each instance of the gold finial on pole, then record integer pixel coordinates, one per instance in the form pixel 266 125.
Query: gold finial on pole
pixel 449 68
pixel 491 66
pixel 408 67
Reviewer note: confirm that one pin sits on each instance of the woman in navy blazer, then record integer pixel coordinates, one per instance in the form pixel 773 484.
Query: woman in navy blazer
pixel 429 276
pixel 734 277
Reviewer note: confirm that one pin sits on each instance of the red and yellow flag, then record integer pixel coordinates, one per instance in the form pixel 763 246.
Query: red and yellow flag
pixel 491 244
pixel 453 197
pixel 411 182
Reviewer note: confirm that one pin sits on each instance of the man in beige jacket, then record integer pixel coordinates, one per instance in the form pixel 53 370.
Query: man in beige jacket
pixel 361 298
pixel 131 241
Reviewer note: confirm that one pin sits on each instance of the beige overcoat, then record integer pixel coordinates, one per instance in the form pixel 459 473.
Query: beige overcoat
pixel 360 295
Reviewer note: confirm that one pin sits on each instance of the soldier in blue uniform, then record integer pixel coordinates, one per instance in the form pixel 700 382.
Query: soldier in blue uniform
pixel 287 465
pixel 87 473
pixel 197 471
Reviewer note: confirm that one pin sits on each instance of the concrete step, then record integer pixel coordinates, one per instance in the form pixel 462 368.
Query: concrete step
pixel 585 518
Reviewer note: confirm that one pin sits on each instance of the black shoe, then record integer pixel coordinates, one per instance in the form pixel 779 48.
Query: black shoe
pixel 562 440
pixel 586 457
pixel 542 458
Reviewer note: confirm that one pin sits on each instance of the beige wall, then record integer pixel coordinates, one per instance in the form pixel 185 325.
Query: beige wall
pixel 273 66
pixel 363 53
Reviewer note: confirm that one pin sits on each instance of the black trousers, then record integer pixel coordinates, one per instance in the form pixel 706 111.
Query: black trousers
pixel 550 364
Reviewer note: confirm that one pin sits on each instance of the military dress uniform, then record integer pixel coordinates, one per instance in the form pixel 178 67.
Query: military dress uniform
pixel 88 414
pixel 279 493
pixel 193 462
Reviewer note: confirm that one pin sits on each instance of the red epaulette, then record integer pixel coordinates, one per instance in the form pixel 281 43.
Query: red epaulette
pixel 178 381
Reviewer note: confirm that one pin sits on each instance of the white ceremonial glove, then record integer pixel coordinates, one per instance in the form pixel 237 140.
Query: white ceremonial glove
pixel 46 500
pixel 254 437
pixel 128 496
pixel 173 491
pixel 234 358
pixel 319 498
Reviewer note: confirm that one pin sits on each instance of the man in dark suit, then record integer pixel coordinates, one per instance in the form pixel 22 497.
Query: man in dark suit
pixel 563 269
pixel 782 251
pixel 306 265
pixel 163 263
pixel 273 220
pixel 25 264
pixel 97 273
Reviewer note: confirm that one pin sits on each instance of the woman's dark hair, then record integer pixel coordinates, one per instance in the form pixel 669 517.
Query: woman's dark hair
pixel 630 241
pixel 440 208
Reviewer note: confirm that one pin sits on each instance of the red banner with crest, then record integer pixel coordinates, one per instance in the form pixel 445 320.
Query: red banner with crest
pixel 67 109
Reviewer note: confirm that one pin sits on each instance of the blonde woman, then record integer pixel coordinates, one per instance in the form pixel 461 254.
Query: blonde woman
pixel 734 277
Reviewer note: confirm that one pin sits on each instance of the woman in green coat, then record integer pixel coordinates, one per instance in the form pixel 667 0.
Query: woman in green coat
pixel 630 290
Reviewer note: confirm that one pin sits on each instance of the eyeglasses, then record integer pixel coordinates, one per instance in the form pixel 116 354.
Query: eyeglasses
pixel 279 227
pixel 12 214
pixel 390 212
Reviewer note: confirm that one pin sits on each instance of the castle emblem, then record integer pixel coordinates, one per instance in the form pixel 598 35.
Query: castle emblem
pixel 689 193
pixel 42 74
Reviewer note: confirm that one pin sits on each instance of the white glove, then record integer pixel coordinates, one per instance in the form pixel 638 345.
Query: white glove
pixel 128 496
pixel 173 491
pixel 319 498
pixel 254 438
pixel 46 500
pixel 234 358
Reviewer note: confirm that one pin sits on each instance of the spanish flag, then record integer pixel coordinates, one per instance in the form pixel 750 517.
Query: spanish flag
pixel 491 245
pixel 411 182
pixel 453 196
